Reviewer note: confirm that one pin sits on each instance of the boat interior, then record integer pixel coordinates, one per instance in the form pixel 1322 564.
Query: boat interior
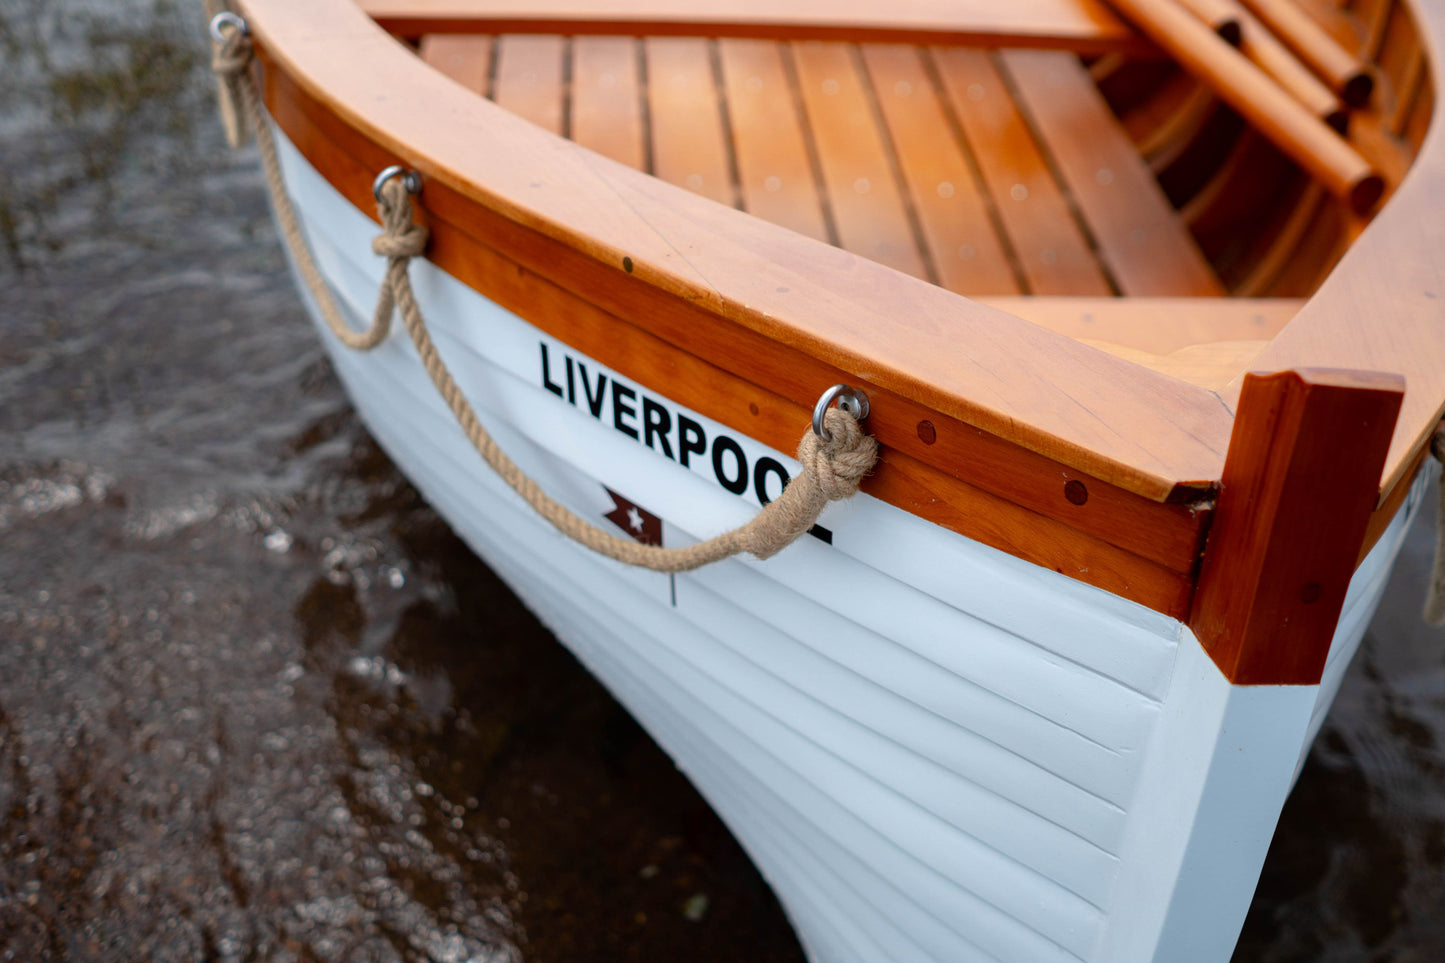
pixel 1083 180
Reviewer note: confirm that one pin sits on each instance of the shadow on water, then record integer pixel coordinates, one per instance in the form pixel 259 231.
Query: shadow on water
pixel 258 702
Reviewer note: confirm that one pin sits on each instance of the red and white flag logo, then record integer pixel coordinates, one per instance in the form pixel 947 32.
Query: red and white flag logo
pixel 634 520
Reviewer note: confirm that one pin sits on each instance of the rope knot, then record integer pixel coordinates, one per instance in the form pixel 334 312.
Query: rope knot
pixel 230 59
pixel 400 236
pixel 408 243
pixel 840 463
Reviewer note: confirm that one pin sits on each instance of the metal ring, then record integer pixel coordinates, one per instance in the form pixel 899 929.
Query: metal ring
pixel 411 179
pixel 227 19
pixel 850 399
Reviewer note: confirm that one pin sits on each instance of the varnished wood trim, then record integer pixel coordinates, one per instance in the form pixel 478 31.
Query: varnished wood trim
pixel 972 483
pixel 1298 491
pixel 725 271
pixel 1087 26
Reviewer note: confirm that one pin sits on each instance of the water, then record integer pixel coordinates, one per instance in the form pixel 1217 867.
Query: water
pixel 257 702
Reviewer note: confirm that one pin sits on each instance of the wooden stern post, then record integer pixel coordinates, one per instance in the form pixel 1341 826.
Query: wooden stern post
pixel 1300 481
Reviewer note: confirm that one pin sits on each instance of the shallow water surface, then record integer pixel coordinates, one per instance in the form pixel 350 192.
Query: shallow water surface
pixel 257 702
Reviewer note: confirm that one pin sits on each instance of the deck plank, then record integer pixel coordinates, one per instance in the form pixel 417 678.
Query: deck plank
pixel 776 177
pixel 863 193
pixel 607 99
pixel 465 58
pixel 1052 251
pixel 529 79
pixel 1140 237
pixel 954 214
pixel 689 141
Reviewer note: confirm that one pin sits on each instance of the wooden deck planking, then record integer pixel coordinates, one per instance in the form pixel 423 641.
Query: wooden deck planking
pixel 689 139
pixel 465 58
pixel 1139 235
pixel 776 177
pixel 1051 249
pixel 777 181
pixel 607 99
pixel 529 79
pixel 863 193
pixel 957 224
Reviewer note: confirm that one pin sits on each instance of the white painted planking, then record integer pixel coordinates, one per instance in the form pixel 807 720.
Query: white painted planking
pixel 1361 601
pixel 935 763
pixel 808 809
pixel 1087 700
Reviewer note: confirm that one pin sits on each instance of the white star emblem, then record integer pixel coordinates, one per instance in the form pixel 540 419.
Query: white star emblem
pixel 634 519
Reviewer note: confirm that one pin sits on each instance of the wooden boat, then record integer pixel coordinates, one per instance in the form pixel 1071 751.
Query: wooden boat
pixel 1153 353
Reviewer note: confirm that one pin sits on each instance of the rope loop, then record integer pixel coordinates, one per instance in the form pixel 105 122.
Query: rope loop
pixel 231 55
pixel 842 460
pixel 400 236
pixel 834 460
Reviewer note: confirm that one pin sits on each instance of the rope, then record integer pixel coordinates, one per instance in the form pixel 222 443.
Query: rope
pixel 1435 597
pixel 832 469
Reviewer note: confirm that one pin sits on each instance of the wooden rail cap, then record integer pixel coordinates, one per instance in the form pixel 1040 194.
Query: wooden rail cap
pixel 1300 482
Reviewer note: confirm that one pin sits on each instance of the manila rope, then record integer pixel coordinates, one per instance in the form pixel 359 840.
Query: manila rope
pixel 834 461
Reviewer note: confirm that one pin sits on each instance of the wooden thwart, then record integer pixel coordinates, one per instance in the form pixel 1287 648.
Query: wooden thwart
pixel 1082 25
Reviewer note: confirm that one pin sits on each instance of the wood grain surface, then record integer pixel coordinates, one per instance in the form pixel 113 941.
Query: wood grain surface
pixel 1299 488
pixel 1083 25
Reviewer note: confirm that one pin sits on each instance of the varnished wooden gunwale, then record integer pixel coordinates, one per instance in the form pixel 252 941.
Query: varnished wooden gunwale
pixel 996 493
pixel 1144 433
pixel 664 303
pixel 1081 25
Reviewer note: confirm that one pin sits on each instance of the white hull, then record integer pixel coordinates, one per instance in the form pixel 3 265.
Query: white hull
pixel 931 749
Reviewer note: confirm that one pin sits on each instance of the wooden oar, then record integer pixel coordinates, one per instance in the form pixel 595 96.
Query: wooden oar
pixel 1266 51
pixel 1256 96
pixel 1221 15
pixel 1344 72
